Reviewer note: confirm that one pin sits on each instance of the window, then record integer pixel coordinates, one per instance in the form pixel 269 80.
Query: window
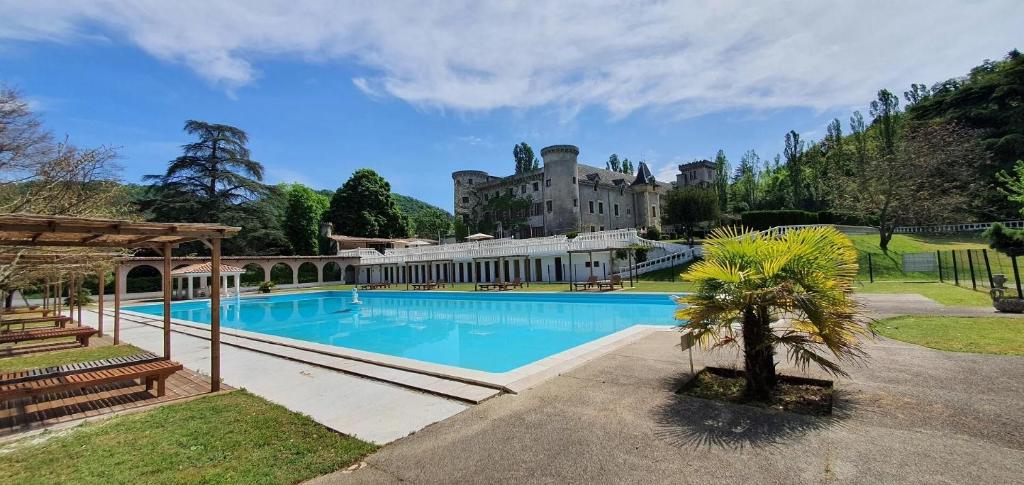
pixel 522 189
pixel 597 264
pixel 536 186
pixel 591 203
pixel 615 208
pixel 574 180
pixel 593 228
pixel 486 197
pixel 549 206
pixel 537 209
pixel 547 183
pixel 465 200
pixel 595 186
pixel 628 211
pixel 511 191
pixel 575 202
pixel 469 182
pixel 654 211
pixel 600 209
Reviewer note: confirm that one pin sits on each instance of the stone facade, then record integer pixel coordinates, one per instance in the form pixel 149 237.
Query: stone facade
pixel 700 174
pixel 564 196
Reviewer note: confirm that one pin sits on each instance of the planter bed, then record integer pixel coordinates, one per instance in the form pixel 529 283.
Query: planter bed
pixel 800 395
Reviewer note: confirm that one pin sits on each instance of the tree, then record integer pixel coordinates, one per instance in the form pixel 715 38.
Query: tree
pixel 214 172
pixel 754 279
pixel 794 153
pixel 627 166
pixel 1014 185
pixel 364 207
pixel 303 216
pixel 215 180
pixel 926 180
pixel 525 160
pixel 613 163
pixel 688 206
pixel 431 223
pixel 1005 240
pixel 744 182
pixel 721 182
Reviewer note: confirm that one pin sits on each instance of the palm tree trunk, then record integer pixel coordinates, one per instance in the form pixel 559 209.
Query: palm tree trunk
pixel 758 354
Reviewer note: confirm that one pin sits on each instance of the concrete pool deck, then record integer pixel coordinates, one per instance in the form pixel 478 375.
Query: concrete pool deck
pixel 370 410
pixel 911 414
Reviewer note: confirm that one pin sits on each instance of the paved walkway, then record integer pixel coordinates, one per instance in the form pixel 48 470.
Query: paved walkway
pixel 882 305
pixel 369 410
pixel 911 414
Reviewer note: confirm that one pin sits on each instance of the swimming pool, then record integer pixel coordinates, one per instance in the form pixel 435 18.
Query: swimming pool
pixel 491 332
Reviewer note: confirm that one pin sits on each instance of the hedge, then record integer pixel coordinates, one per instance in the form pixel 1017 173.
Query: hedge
pixel 766 219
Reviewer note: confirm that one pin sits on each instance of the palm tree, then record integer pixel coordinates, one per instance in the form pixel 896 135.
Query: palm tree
pixel 214 172
pixel 791 290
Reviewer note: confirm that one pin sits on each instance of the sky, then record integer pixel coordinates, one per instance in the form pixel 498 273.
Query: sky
pixel 419 89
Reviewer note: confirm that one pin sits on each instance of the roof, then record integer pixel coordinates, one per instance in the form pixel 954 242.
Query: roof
pixel 607 176
pixel 20 229
pixel 697 163
pixel 377 240
pixel 206 268
pixel 643 175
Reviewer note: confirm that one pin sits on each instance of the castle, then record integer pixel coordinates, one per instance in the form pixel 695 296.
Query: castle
pixel 562 196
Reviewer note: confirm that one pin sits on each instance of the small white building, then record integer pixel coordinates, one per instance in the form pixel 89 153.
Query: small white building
pixel 186 275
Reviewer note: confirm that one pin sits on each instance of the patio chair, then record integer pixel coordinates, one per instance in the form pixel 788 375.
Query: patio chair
pixel 516 283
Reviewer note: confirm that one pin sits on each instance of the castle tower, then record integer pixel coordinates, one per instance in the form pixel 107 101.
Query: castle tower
pixel 561 189
pixel 647 198
pixel 467 201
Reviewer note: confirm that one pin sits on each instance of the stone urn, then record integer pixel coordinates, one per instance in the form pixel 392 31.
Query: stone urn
pixel 1000 301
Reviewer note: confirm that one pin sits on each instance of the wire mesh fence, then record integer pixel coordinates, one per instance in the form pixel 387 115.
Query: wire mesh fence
pixel 977 269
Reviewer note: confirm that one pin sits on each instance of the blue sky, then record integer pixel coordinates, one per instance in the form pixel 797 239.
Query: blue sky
pixel 417 92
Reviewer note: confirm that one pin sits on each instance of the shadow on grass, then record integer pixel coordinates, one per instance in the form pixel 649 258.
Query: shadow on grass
pixel 691 422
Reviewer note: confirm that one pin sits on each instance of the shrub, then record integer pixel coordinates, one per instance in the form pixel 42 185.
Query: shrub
pixel 266 286
pixel 1005 240
pixel 653 233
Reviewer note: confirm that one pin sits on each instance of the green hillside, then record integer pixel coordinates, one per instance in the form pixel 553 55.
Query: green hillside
pixel 411 206
pixel 888 266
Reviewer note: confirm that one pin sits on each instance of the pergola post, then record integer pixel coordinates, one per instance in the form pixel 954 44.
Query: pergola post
pixel 591 254
pixel 117 304
pixel 215 315
pixel 570 271
pixel 101 277
pixel 167 300
pixel 80 281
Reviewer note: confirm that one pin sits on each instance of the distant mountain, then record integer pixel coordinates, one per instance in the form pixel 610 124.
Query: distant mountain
pixel 412 206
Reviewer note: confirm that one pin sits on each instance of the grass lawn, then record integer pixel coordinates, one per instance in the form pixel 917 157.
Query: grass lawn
pixel 72 356
pixel 888 266
pixel 944 293
pixel 986 335
pixel 229 438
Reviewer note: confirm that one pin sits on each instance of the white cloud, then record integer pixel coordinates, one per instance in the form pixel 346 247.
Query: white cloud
pixel 682 57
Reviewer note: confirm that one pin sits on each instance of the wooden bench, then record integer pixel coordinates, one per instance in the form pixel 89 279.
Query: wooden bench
pixel 57 320
pixel 610 284
pixel 81 334
pixel 586 285
pixel 147 373
pixel 66 369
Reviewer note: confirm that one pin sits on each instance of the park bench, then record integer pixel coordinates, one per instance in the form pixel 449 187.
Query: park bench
pixel 586 285
pixel 77 368
pixel 57 320
pixel 147 373
pixel 81 334
pixel 610 284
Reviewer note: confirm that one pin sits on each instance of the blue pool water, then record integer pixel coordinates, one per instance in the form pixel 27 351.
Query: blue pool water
pixel 483 331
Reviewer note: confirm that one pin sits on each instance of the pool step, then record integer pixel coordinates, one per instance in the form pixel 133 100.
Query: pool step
pixel 449 388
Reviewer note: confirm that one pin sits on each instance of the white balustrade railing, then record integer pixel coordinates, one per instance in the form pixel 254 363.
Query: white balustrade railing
pixel 532 247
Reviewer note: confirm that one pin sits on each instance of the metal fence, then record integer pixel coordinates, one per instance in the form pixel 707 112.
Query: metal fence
pixel 975 268
pixel 967 268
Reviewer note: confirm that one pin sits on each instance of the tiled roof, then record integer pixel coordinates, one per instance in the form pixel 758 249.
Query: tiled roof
pixel 205 268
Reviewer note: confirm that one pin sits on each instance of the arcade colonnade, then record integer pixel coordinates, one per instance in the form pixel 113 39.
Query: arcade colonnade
pixel 534 269
pixel 344 267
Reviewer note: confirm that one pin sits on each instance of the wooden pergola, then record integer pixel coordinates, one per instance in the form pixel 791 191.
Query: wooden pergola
pixel 32 231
